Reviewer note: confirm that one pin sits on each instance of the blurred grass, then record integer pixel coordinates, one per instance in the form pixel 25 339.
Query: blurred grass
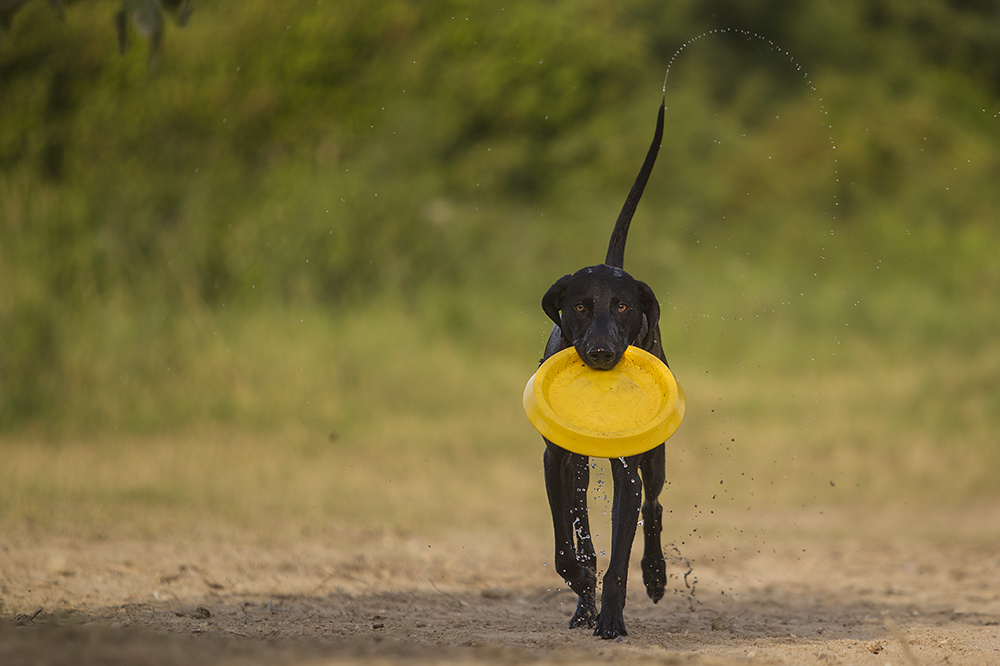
pixel 291 276
pixel 405 428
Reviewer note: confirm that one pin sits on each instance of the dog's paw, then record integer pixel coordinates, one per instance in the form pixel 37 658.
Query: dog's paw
pixel 585 615
pixel 610 625
pixel 654 576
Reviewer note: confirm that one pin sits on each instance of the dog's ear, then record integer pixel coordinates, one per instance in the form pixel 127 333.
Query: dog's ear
pixel 650 308
pixel 552 300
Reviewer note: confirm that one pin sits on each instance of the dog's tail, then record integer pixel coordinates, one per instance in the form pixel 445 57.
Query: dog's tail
pixel 616 248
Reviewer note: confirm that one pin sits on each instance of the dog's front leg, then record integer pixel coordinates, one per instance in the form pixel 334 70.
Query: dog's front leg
pixel 586 608
pixel 564 471
pixel 624 519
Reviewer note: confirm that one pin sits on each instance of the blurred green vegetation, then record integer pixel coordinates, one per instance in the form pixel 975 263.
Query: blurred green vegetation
pixel 332 215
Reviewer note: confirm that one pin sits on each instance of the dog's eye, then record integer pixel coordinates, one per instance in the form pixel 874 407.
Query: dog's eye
pixel 579 307
pixel 622 307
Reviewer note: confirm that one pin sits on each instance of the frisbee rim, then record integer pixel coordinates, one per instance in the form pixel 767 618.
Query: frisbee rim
pixel 603 444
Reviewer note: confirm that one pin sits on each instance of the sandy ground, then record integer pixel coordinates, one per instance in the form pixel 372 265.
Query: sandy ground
pixel 353 596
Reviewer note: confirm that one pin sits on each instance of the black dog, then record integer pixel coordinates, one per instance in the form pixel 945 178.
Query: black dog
pixel 600 310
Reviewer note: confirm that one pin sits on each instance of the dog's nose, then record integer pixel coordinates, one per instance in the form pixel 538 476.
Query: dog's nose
pixel 601 358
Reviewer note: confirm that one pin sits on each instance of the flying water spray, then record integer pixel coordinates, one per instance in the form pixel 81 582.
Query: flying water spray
pixel 750 35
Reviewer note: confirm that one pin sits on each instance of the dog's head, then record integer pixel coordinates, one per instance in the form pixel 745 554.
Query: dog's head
pixel 601 311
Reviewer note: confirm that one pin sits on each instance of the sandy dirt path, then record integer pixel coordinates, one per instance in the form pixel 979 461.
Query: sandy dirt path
pixel 374 596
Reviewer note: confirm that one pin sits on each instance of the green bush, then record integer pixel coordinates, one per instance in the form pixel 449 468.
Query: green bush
pixel 452 158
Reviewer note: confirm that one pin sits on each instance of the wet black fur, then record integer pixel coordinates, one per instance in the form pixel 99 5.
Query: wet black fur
pixel 600 310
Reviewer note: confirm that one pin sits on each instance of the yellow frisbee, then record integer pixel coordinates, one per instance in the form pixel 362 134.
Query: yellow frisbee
pixel 624 411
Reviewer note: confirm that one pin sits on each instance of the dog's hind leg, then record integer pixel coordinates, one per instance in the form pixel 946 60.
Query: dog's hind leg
pixel 564 471
pixel 624 519
pixel 654 567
